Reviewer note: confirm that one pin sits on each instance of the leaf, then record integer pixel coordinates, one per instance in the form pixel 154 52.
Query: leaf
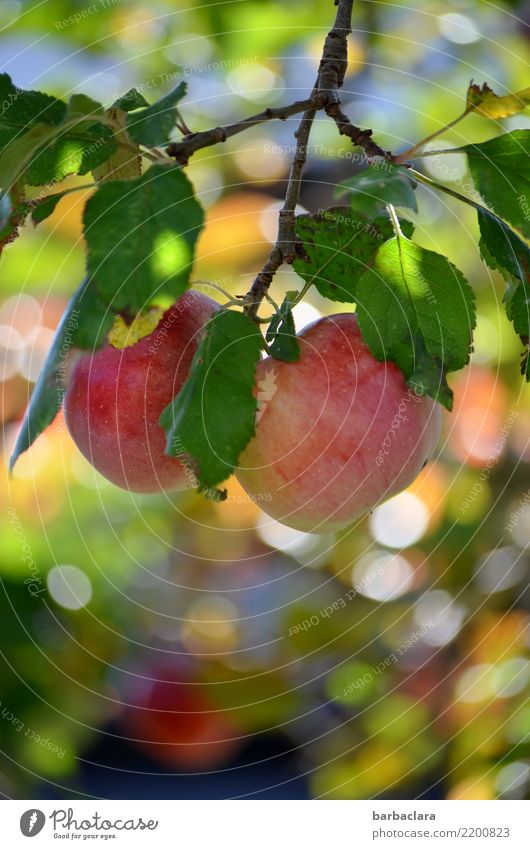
pixel 82 106
pixel 23 109
pixel 500 169
pixel 141 236
pixel 428 375
pixel 504 251
pixel 75 150
pixel 379 184
pixel 340 245
pixel 213 417
pixel 517 301
pixel 130 101
pixel 484 101
pixel 126 161
pixel 79 323
pixel 40 139
pixel 153 126
pixel 94 321
pixel 16 157
pixel 281 334
pixel 42 209
pixel 416 309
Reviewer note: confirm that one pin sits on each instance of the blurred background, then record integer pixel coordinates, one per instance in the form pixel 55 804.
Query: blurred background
pixel 169 647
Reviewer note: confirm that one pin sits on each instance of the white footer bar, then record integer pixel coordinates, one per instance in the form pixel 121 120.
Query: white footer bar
pixel 265 824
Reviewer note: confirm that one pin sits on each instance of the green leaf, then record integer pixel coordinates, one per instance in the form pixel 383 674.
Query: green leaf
pixel 42 209
pixel 130 101
pixel 281 334
pixel 141 236
pixel 126 162
pixel 500 169
pixel 15 158
pixel 41 140
pixel 153 126
pixel 213 417
pixel 416 309
pixel 427 376
pixel 23 109
pixel 340 245
pixel 79 323
pixel 486 102
pixel 82 106
pixel 504 251
pixel 379 184
pixel 75 150
pixel 94 320
pixel 517 301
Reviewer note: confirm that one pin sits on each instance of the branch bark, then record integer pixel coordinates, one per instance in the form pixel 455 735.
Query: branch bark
pixel 325 95
pixel 330 77
pixel 190 144
pixel 287 246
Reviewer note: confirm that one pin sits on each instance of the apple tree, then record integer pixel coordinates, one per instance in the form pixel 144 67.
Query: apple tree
pixel 165 397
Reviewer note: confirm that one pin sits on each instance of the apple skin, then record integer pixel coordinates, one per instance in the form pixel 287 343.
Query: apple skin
pixel 332 440
pixel 115 397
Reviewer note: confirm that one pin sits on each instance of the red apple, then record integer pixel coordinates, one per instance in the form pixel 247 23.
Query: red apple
pixel 175 723
pixel 115 397
pixel 338 432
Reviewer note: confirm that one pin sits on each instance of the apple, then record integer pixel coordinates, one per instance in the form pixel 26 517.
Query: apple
pixel 337 432
pixel 174 721
pixel 115 396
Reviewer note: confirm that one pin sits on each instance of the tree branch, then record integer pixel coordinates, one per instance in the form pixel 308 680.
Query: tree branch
pixel 287 246
pixel 184 149
pixel 330 77
pixel 362 138
pixel 325 95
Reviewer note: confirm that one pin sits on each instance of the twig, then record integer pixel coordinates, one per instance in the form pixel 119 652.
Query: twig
pixel 413 151
pixel 331 77
pixel 325 95
pixel 287 246
pixel 184 149
pixel 362 138
pixel 329 80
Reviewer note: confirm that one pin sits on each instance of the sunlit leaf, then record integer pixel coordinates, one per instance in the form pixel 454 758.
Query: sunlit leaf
pixel 483 99
pixel 213 417
pixel 340 244
pixel 141 236
pixel 416 309
pixel 153 125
